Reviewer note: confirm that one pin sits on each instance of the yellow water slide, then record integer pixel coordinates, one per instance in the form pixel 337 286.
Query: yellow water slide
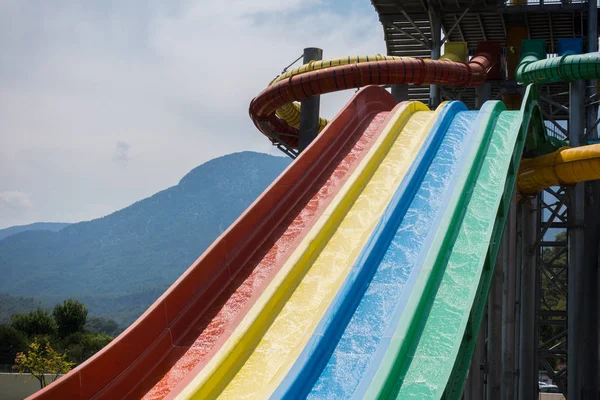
pixel 566 166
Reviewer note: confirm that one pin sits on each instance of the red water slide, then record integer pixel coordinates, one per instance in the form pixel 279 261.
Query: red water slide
pixel 385 72
pixel 179 333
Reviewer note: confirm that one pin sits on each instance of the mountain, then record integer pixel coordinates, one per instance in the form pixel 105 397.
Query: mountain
pixel 11 305
pixel 119 264
pixel 37 226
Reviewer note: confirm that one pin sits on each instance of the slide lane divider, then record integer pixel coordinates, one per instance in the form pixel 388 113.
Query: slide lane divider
pixel 317 352
pixel 242 343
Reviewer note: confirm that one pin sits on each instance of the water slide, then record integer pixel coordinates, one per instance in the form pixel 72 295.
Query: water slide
pixel 182 329
pixel 361 271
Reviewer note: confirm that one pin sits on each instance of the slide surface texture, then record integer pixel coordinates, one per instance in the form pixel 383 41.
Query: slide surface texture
pixel 364 305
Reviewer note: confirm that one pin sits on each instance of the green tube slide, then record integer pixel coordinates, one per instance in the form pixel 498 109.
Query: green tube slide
pixel 534 67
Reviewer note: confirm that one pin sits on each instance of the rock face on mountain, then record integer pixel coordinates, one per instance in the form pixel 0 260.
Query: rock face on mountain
pixel 117 265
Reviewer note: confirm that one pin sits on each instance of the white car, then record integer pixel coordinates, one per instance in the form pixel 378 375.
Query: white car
pixel 549 388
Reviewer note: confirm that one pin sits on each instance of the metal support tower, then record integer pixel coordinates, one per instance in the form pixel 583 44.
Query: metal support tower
pixel 590 285
pixel 527 336
pixel 551 284
pixel 309 107
pixel 509 301
pixel 400 92
pixel 576 251
pixel 494 325
pixel 436 47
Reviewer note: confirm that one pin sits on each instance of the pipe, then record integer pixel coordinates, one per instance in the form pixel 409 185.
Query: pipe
pixel 330 79
pixel 290 112
pixel 566 166
pixel 569 67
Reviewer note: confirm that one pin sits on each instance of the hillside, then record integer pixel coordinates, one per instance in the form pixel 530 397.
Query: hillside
pixel 117 265
pixel 10 305
pixel 37 226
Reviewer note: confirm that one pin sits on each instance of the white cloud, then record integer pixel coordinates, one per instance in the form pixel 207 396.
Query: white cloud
pixel 15 199
pixel 173 80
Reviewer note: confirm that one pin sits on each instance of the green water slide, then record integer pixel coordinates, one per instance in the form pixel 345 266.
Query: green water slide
pixel 432 346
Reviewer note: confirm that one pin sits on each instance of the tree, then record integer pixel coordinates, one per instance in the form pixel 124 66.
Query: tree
pixel 38 322
pixel 12 341
pixel 40 361
pixel 70 316
pixel 80 346
pixel 102 325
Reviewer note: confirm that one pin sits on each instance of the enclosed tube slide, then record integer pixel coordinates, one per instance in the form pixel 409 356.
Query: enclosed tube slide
pixel 569 67
pixel 290 112
pixel 402 71
pixel 566 166
pixel 190 321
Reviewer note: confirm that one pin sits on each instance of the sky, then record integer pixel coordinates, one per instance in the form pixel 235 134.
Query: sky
pixel 104 103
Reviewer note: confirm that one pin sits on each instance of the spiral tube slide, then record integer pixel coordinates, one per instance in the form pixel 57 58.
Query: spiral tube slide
pixel 290 112
pixel 289 310
pixel 190 320
pixel 402 71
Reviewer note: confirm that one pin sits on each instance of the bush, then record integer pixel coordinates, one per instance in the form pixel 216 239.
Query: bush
pixel 80 346
pixel 12 341
pixel 102 325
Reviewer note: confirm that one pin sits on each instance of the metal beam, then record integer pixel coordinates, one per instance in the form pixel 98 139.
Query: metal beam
pixel 400 30
pixel 554 103
pixel 436 44
pixel 410 20
pixel 576 255
pixel 591 285
pixel 479 8
pixel 509 268
pixel 494 324
pixel 484 93
pixel 456 24
pixel 527 346
pixel 481 26
pixel 475 378
pixel 400 92
pixel 309 107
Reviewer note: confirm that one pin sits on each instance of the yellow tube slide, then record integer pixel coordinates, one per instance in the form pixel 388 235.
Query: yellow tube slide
pixel 566 166
pixel 264 346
